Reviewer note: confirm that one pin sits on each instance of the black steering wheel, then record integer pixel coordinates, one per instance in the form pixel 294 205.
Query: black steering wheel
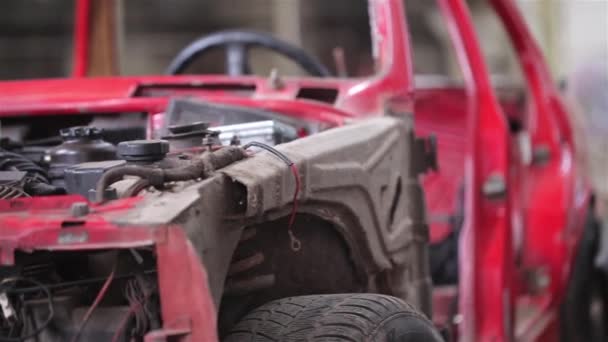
pixel 237 43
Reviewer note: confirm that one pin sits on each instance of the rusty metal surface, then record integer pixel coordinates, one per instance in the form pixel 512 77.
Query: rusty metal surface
pixel 357 178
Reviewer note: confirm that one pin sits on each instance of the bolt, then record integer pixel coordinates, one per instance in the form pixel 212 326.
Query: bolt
pixel 538 280
pixel 541 155
pixel 235 141
pixel 275 81
pixel 495 187
pixel 79 209
pixel 109 194
pixel 212 139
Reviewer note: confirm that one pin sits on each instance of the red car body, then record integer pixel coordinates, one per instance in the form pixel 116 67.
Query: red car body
pixel 548 201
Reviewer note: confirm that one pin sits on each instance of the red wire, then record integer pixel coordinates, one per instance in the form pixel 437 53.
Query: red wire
pixel 124 322
pixel 133 307
pixel 96 302
pixel 294 170
pixel 294 208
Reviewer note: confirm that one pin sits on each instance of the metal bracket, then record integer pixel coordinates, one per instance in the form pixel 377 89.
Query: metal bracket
pixel 8 312
pixel 495 187
pixel 541 155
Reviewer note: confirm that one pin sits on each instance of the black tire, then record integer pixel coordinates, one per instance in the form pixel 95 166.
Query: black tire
pixel 580 319
pixel 336 318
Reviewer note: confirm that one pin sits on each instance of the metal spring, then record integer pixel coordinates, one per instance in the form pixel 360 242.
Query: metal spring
pixel 9 192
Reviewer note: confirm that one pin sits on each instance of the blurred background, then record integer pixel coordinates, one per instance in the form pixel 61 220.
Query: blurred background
pixel 37 35
pixel 141 37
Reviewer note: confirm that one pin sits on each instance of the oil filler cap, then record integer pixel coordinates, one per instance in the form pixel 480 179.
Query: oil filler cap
pixel 143 150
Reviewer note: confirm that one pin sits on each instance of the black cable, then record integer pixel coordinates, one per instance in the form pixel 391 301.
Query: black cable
pixel 74 283
pixel 44 325
pixel 270 149
pixel 202 167
pixel 13 161
pixel 296 244
pixel 37 181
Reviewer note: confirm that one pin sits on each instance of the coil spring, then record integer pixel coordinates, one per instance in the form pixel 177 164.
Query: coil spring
pixel 9 192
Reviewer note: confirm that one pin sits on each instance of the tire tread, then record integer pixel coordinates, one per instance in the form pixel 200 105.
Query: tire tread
pixel 342 317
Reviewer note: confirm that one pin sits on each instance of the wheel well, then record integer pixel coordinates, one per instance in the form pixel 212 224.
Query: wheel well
pixel 265 266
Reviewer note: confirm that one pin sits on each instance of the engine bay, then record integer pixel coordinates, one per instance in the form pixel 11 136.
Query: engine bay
pixel 79 296
pixel 74 159
pixel 112 295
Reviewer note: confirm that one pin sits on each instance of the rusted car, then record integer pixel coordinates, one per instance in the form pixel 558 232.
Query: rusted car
pixel 253 208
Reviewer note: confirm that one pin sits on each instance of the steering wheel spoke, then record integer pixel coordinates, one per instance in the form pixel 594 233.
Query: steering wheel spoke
pixel 237 59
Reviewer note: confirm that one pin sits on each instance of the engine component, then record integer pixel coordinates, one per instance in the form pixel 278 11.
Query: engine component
pixel 10 161
pixel 11 192
pixel 11 184
pixel 143 151
pixel 232 123
pixel 269 132
pixel 35 182
pixel 82 178
pixel 182 111
pixel 80 145
pixel 12 177
pixel 212 139
pixel 10 316
pixel 202 167
pixel 79 296
pixel 191 135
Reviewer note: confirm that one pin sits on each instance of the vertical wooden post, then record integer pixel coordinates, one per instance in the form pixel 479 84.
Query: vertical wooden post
pixel 102 47
pixel 286 21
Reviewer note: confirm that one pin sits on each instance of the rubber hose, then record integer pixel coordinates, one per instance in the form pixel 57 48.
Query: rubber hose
pixel 199 168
